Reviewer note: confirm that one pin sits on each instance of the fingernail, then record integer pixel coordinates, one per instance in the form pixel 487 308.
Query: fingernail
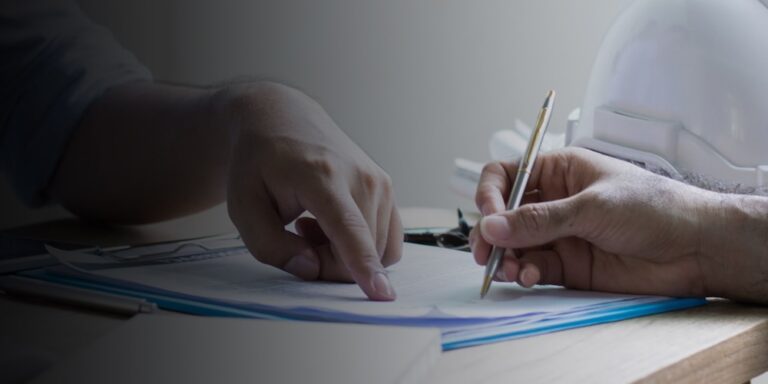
pixel 383 287
pixel 486 209
pixel 303 265
pixel 494 227
pixel 500 276
pixel 529 276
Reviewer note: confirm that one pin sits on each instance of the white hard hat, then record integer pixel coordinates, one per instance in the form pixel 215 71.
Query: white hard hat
pixel 683 85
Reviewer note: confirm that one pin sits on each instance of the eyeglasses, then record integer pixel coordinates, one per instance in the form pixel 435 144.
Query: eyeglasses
pixel 453 238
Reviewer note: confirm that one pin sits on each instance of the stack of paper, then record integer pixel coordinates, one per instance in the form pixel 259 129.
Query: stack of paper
pixel 436 288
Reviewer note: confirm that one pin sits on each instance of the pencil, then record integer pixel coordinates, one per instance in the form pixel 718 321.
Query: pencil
pixel 27 287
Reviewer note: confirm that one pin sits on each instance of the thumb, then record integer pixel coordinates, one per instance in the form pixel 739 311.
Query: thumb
pixel 532 224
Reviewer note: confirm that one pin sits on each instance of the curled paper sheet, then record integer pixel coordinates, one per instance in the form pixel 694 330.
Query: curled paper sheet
pixel 509 144
pixel 466 175
pixel 505 145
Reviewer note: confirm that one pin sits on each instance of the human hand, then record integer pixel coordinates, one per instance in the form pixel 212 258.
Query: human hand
pixel 288 157
pixel 595 223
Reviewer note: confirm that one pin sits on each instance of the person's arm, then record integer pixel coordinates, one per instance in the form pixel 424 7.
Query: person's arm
pixel 735 247
pixel 146 152
pixel 82 123
pixel 597 223
pixel 143 153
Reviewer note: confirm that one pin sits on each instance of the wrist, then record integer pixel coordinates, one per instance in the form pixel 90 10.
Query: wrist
pixel 734 247
pixel 256 109
pixel 233 106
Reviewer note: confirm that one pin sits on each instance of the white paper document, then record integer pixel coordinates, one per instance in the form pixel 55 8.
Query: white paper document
pixel 435 287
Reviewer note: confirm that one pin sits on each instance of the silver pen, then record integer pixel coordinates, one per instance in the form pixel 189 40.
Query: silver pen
pixel 521 180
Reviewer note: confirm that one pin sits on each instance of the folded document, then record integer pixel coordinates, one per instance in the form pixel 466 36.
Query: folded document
pixel 436 288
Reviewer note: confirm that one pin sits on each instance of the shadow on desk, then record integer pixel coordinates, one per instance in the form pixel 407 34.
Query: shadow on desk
pixel 214 221
pixel 79 232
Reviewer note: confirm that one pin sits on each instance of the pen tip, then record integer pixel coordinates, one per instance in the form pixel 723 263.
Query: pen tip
pixel 549 100
pixel 486 286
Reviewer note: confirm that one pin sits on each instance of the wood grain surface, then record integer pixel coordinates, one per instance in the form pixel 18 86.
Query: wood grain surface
pixel 722 342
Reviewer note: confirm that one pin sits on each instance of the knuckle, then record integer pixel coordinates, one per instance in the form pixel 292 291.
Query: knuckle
pixel 593 206
pixel 533 217
pixel 484 193
pixel 386 183
pixel 322 167
pixel 375 181
pixel 589 200
pixel 479 197
pixel 473 236
pixel 487 191
pixel 369 180
pixel 492 167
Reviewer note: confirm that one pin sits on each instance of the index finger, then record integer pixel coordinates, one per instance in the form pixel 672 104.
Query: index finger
pixel 493 186
pixel 346 228
pixel 552 175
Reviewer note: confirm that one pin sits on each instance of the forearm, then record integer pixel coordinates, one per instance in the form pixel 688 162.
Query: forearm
pixel 735 247
pixel 145 152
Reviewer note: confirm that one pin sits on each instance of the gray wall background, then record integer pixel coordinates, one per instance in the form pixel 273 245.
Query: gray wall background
pixel 415 83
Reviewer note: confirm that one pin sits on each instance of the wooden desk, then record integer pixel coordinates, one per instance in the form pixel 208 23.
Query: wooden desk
pixel 722 342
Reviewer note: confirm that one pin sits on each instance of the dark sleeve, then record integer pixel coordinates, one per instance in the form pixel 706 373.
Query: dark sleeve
pixel 53 63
